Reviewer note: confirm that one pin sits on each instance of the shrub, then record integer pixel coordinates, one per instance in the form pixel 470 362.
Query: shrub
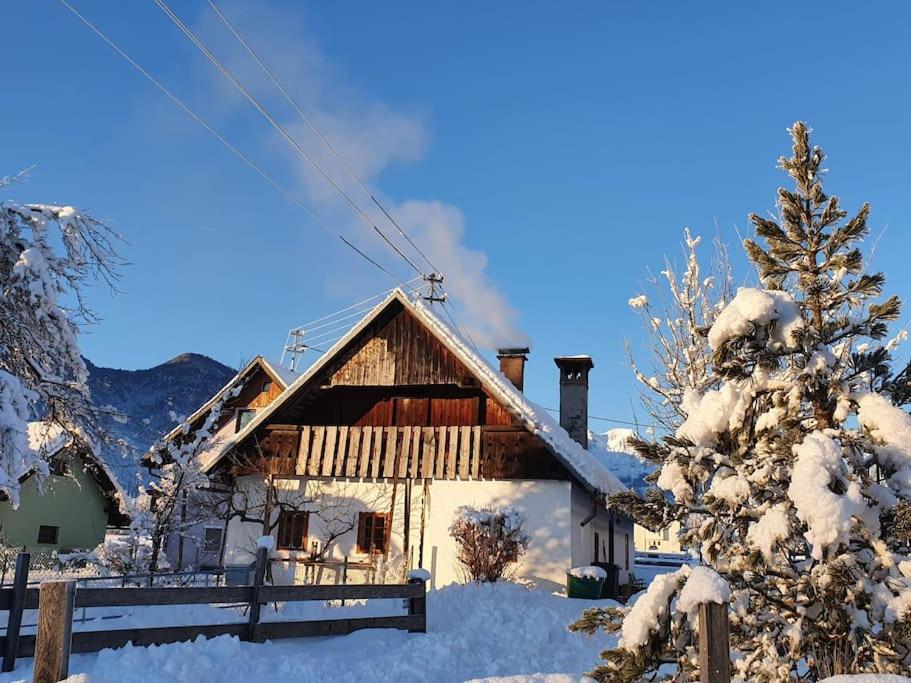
pixel 489 540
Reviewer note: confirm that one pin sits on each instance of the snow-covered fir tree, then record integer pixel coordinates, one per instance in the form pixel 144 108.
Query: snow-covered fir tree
pixel 792 477
pixel 48 256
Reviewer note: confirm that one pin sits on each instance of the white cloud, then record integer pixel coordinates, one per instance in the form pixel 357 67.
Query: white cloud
pixel 372 136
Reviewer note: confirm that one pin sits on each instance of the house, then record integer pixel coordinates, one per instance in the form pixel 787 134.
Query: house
pixel 666 540
pixel 368 454
pixel 198 537
pixel 78 501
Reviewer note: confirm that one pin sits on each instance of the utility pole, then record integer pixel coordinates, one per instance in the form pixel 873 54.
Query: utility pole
pixel 435 294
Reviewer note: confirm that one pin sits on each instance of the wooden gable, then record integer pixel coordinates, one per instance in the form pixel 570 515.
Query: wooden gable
pixel 395 402
pixel 398 351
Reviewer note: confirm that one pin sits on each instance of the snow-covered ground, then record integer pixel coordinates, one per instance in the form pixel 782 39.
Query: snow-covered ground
pixel 473 632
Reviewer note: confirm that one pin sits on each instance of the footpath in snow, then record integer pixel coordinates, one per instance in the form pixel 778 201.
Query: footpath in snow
pixel 473 632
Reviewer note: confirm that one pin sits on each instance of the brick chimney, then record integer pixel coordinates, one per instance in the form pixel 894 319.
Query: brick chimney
pixel 574 395
pixel 512 364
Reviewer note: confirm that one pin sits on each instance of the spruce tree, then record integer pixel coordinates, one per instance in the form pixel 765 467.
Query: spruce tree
pixel 792 477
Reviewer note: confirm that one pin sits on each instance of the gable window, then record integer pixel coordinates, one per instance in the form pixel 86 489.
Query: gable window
pixel 267 386
pixel 48 534
pixel 59 467
pixel 292 530
pixel 371 532
pixel 211 542
pixel 244 415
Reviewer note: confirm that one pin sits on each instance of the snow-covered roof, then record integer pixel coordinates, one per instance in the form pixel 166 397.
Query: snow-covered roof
pixel 48 439
pixel 574 457
pixel 280 374
pixel 284 375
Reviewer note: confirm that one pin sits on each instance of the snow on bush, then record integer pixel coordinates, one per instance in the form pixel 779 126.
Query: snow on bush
pixel 593 573
pixel 828 515
pixel 645 616
pixel 489 540
pixel 754 309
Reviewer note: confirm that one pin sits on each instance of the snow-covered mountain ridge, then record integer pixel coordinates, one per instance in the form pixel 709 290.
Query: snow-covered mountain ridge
pixel 147 402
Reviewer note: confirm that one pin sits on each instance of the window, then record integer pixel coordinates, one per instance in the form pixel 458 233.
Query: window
pixel 371 532
pixel 597 544
pixel 292 530
pixel 626 538
pixel 244 415
pixel 59 467
pixel 211 542
pixel 48 534
pixel 267 386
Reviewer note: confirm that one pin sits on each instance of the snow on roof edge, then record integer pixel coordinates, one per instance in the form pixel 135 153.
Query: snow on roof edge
pixel 579 461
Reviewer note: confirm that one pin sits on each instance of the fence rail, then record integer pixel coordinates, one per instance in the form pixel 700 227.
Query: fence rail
pixel 20 598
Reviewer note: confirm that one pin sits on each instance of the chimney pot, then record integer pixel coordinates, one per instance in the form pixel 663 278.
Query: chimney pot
pixel 512 364
pixel 574 395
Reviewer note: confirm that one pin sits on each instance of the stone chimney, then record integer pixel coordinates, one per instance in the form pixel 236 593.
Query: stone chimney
pixel 574 395
pixel 512 364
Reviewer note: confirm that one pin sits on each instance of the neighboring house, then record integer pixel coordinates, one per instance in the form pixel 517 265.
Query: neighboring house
pixel 664 540
pixel 76 504
pixel 394 428
pixel 200 544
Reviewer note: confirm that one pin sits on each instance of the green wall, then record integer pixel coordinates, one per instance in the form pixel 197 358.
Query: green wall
pixel 74 503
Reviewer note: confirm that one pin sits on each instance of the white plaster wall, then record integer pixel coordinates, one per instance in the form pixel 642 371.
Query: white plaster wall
pixel 348 498
pixel 546 506
pixel 583 537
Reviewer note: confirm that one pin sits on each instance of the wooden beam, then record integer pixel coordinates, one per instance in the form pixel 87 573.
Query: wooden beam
pixel 392 435
pixel 303 452
pixel 406 452
pixel 430 445
pixel 475 452
pixel 366 451
pixel 452 448
pixel 339 469
pixel 55 628
pixel 316 452
pixel 354 447
pixel 464 451
pixel 441 434
pixel 329 452
pixel 714 646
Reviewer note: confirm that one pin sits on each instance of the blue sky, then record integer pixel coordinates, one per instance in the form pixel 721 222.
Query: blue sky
pixel 546 155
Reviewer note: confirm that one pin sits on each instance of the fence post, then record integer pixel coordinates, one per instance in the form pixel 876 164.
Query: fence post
pixel 55 630
pixel 259 574
pixel 17 605
pixel 714 648
pixel 417 607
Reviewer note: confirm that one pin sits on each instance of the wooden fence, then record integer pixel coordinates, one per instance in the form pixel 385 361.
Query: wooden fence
pixel 57 600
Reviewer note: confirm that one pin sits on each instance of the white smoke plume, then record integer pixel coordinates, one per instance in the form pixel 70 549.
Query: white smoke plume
pixel 371 136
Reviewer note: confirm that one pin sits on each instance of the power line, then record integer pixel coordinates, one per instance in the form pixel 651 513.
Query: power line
pixel 357 305
pixel 275 124
pixel 243 157
pixel 316 129
pixel 603 419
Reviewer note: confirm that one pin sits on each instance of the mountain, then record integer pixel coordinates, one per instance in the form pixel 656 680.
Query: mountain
pixel 150 402
pixel 613 450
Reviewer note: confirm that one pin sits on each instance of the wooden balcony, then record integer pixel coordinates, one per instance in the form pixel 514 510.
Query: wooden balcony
pixel 472 452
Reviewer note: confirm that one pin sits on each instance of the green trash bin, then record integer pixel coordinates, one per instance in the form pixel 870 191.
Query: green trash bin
pixel 585 588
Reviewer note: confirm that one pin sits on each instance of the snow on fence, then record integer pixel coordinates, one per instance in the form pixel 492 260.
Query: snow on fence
pixel 57 600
